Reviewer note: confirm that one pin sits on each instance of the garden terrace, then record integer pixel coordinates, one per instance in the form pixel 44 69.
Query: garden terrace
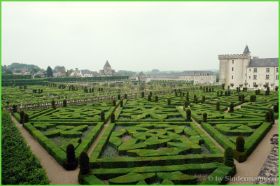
pixel 154 149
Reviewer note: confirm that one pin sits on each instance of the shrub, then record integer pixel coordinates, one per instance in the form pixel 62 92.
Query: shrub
pixel 14 108
pixel 267 92
pixel 204 117
pixel 119 96
pixel 125 96
pixel 102 116
pixel 231 107
pixel 195 99
pixel 142 94
pixel 240 142
pixel 53 104
pixel 218 105
pixel 84 163
pixel 156 98
pixel 26 118
pixel 257 92
pixel 228 157
pixel 64 103
pixel 121 103
pixel 203 99
pixel 113 118
pixel 114 102
pixel 149 98
pixel 276 107
pixel 188 114
pixel 269 116
pixel 21 116
pixel 71 161
pixel 253 98
pixel 186 104
pixel 168 101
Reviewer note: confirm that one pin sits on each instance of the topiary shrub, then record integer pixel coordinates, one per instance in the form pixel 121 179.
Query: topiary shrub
pixel 188 115
pixel 275 108
pixel 228 157
pixel 102 116
pixel 53 104
pixel 21 117
pixel 186 104
pixel 204 117
pixel 231 107
pixel 64 103
pixel 269 116
pixel 113 118
pixel 195 99
pixel 168 101
pixel 203 99
pixel 218 105
pixel 71 161
pixel 119 96
pixel 14 108
pixel 114 102
pixel 156 98
pixel 240 142
pixel 142 94
pixel 25 118
pixel 121 103
pixel 149 98
pixel 125 96
pixel 84 163
pixel 267 92
pixel 253 98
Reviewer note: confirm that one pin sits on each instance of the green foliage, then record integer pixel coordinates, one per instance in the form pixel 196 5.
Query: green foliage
pixel 228 155
pixel 84 163
pixel 19 165
pixel 240 143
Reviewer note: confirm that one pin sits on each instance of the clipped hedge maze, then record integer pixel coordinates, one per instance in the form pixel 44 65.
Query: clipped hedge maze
pixel 154 149
pixel 77 125
pixel 247 121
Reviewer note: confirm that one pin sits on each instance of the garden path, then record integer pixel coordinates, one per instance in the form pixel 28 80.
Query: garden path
pixel 55 172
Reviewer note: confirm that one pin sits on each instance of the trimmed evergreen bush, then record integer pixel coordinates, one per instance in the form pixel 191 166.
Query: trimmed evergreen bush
pixel 113 118
pixel 71 161
pixel 218 105
pixel 240 142
pixel 228 157
pixel 84 163
pixel 168 101
pixel 53 104
pixel 188 114
pixel 253 98
pixel 102 116
pixel 231 107
pixel 64 103
pixel 204 117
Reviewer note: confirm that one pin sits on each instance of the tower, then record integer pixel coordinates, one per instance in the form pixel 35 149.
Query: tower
pixel 233 68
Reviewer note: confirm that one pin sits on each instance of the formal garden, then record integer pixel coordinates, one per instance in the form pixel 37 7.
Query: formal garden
pixel 161 132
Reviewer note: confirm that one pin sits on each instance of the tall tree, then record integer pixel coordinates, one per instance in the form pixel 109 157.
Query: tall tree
pixel 49 72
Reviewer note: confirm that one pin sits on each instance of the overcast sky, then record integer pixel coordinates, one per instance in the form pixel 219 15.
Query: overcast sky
pixel 136 35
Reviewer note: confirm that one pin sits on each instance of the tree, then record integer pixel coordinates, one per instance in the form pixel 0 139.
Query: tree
pixel 276 107
pixel 102 115
pixel 112 117
pixel 114 102
pixel 231 107
pixel 125 96
pixel 156 98
pixel 49 72
pixel 228 157
pixel 142 94
pixel 204 117
pixel 188 114
pixel 218 105
pixel 84 163
pixel 253 98
pixel 21 117
pixel 240 142
pixel 203 99
pixel 64 103
pixel 14 108
pixel 168 101
pixel 53 104
pixel 71 161
pixel 121 103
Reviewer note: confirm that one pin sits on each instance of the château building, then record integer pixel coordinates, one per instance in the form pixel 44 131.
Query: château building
pixel 242 70
pixel 107 70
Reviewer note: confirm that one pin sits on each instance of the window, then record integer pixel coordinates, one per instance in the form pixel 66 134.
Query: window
pixel 276 69
pixel 232 61
pixel 232 69
pixel 255 70
pixel 249 70
pixel 276 77
pixel 267 69
pixel 249 77
pixel 255 77
pixel 267 76
pixel 231 77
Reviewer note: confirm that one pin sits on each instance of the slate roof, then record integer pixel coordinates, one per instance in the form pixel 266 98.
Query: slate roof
pixel 263 62
pixel 246 50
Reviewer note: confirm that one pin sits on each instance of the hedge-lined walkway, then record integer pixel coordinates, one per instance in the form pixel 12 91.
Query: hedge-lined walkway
pixel 55 172
pixel 252 166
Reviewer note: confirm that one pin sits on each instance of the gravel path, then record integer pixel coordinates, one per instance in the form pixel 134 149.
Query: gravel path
pixel 55 172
